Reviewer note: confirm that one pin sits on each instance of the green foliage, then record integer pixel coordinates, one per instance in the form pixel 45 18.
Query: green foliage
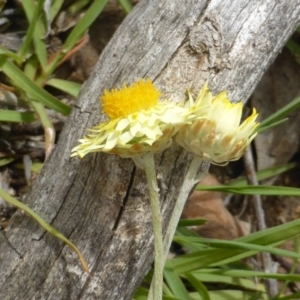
pixel 280 116
pixel 127 6
pixel 30 89
pixel 16 116
pixel 217 263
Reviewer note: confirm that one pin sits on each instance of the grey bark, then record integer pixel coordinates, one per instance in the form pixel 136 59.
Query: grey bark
pixel 101 203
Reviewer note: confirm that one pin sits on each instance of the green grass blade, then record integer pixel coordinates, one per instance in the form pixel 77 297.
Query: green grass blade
pixel 31 67
pixel 209 257
pixel 199 286
pixel 175 284
pixel 55 8
pixel 10 54
pixel 281 113
pixel 6 160
pixel 264 128
pixel 126 4
pixel 231 295
pixel 16 116
pixel 215 243
pixel 91 14
pixel 244 283
pixel 294 48
pixel 40 48
pixel 247 273
pixel 69 87
pixel 35 167
pixel 264 174
pixel 36 31
pixel 44 224
pixel 30 88
pixel 77 33
pixel 290 297
pixel 253 190
pixel 32 11
pixel 142 294
pixel 77 6
pixel 185 232
pixel 291 272
pixel 191 222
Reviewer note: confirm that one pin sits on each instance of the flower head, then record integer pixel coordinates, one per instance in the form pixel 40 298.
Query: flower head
pixel 138 123
pixel 218 136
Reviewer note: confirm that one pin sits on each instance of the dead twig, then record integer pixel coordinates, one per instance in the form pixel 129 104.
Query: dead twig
pixel 269 266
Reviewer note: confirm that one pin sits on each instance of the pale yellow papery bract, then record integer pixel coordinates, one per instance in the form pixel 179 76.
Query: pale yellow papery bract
pixel 217 135
pixel 138 133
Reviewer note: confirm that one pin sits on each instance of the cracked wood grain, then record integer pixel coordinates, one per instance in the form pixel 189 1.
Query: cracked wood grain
pixel 99 202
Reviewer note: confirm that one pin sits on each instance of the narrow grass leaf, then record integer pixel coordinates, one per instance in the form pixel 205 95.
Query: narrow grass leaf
pixel 30 88
pixel 35 167
pixel 294 48
pixel 291 272
pixel 281 113
pixel 6 160
pixel 261 129
pixel 79 30
pixel 44 224
pixel 77 6
pixel 31 67
pixel 240 282
pixel 253 190
pixel 204 258
pixel 175 284
pixel 185 232
pixel 126 4
pixel 264 174
pixel 32 11
pixel 16 116
pixel 231 294
pixel 247 273
pixel 290 297
pixel 141 294
pixel 238 245
pixel 191 222
pixel 10 54
pixel 199 286
pixel 40 48
pixel 36 31
pixel 55 8
pixel 167 291
pixel 69 87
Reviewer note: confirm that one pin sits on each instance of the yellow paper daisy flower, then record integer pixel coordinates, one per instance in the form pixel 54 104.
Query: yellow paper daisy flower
pixel 138 123
pixel 218 136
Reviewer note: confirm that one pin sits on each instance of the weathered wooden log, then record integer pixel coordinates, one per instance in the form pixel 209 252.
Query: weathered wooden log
pixel 101 202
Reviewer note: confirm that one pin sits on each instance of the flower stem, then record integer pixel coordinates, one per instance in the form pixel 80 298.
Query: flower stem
pixel 157 281
pixel 188 184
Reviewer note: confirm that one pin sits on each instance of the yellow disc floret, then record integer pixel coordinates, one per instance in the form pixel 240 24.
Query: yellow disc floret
pixel 138 122
pixel 123 102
